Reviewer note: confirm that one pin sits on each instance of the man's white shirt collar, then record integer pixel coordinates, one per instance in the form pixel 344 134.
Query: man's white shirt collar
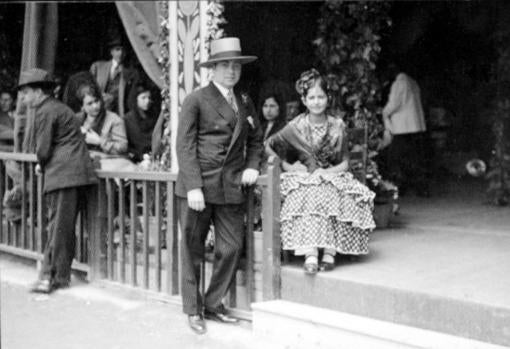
pixel 223 90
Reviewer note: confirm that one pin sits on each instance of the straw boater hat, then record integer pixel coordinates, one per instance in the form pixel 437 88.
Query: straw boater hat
pixel 226 49
pixel 35 77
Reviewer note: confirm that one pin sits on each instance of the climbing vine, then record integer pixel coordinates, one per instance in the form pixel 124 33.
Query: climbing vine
pixel 348 46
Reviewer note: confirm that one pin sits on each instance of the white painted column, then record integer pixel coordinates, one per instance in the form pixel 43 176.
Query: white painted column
pixel 204 54
pixel 174 79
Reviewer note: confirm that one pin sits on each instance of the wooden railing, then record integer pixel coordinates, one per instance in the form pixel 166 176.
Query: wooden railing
pixel 135 237
pixel 26 236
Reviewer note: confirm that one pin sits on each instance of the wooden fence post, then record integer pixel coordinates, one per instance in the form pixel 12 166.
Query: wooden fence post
pixel 96 229
pixel 271 260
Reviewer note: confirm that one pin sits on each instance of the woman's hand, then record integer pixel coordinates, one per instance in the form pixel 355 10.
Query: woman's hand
pixel 296 167
pixel 91 137
pixel 320 170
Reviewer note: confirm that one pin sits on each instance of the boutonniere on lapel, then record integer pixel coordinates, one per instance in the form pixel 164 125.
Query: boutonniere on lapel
pixel 250 121
pixel 245 100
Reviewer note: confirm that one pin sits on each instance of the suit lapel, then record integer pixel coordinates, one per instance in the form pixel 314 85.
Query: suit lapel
pixel 220 104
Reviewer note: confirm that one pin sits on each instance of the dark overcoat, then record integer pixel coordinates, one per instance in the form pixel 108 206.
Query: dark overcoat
pixel 60 147
pixel 214 146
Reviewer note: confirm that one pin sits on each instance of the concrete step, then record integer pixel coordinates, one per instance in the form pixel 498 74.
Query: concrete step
pixel 292 325
pixel 475 320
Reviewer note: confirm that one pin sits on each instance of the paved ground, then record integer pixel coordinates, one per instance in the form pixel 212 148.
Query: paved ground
pixel 88 316
pixel 453 244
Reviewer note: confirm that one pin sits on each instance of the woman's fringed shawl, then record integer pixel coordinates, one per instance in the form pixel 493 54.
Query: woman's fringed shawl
pixel 330 151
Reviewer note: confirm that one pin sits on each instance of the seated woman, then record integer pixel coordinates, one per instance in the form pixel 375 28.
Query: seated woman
pixel 324 206
pixel 105 133
pixel 140 123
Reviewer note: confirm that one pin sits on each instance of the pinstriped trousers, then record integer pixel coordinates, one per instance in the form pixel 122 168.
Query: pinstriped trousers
pixel 229 236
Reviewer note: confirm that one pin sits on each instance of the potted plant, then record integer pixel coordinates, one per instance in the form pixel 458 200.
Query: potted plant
pixel 386 195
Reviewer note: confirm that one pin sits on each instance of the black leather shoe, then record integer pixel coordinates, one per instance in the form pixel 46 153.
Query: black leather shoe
pixel 59 285
pixel 220 316
pixel 42 286
pixel 326 266
pixel 197 324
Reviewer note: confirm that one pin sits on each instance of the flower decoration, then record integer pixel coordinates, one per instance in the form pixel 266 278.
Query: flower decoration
pixel 385 191
pixel 307 80
pixel 215 21
pixel 250 121
pixel 164 160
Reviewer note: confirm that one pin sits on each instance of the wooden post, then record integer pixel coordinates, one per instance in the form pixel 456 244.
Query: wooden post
pixel 95 231
pixel 271 263
pixel 250 290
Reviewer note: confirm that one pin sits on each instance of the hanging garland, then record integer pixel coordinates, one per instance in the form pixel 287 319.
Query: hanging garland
pixel 215 21
pixel 214 31
pixel 165 159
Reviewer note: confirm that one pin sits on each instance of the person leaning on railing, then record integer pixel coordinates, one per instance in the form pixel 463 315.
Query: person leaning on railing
pixel 324 207
pixel 104 131
pixel 67 172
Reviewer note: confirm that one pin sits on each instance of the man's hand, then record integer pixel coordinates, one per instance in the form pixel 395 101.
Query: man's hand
pixel 38 170
pixel 196 200
pixel 249 176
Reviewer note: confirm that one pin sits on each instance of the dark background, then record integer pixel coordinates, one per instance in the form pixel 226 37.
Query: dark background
pixel 447 46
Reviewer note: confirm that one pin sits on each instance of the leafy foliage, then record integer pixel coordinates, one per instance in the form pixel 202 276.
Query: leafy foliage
pixel 499 173
pixel 348 48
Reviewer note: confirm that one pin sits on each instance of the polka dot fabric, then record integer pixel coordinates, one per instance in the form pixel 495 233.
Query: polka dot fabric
pixel 326 211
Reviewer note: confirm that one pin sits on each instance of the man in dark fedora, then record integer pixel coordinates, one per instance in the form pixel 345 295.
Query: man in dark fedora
pixel 67 171
pixel 219 147
pixel 115 79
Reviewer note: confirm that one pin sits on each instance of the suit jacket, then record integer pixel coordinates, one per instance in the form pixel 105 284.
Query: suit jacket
pixel 128 77
pixel 60 147
pixel 214 146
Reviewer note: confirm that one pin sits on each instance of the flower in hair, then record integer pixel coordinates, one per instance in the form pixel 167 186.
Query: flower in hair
pixel 307 80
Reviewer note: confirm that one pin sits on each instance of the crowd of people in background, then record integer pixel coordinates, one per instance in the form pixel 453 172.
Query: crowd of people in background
pixel 114 103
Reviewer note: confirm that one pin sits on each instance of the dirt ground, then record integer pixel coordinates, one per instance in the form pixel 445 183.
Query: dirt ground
pixel 92 316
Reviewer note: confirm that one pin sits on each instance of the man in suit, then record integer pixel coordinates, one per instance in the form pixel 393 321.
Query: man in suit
pixel 114 79
pixel 219 148
pixel 67 171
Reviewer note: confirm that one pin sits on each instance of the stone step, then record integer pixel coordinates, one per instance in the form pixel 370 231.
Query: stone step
pixel 484 322
pixel 292 325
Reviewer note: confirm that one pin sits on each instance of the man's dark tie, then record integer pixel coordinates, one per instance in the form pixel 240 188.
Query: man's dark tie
pixel 231 100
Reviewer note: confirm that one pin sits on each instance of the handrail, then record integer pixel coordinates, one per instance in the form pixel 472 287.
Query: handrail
pixel 25 157
pixel 158 176
pixel 115 247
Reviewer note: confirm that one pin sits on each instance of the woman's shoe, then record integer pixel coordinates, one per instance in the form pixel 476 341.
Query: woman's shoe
pixel 328 262
pixel 326 266
pixel 311 268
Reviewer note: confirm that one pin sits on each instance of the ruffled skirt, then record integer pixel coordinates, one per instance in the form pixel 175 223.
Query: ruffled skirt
pixel 325 211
